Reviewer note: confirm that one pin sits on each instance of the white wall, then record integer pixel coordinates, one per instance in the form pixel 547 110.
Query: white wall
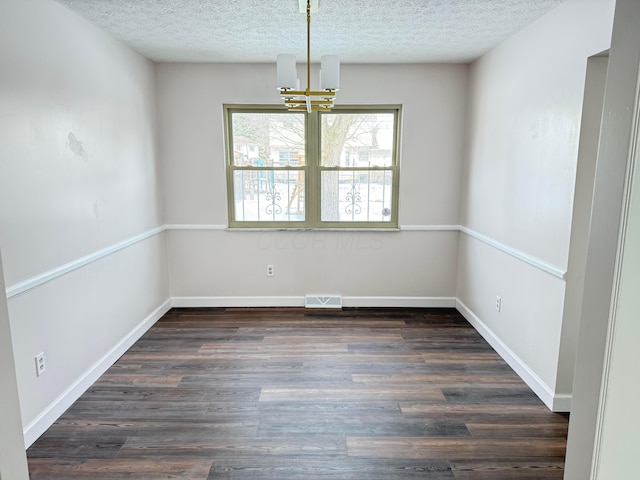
pixel 218 265
pixel 78 178
pixel 524 123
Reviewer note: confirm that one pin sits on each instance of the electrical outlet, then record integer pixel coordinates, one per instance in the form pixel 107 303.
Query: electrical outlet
pixel 41 366
pixel 498 303
pixel 270 271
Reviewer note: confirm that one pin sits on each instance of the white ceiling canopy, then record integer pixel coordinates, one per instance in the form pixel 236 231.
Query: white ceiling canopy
pixel 359 31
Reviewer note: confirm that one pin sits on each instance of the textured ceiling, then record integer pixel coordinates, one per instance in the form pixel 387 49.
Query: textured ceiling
pixel 360 31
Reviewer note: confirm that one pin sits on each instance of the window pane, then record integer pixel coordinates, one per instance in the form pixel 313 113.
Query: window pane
pixel 268 195
pixel 356 196
pixel 357 139
pixel 268 139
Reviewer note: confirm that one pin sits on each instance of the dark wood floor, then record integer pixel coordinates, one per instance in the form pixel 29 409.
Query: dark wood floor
pixel 292 394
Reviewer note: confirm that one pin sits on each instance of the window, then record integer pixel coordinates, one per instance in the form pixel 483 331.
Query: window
pixel 336 169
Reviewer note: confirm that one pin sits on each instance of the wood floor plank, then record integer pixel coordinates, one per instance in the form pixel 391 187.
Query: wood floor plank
pixel 241 424
pixel 449 379
pixel 171 445
pixel 139 469
pixel 406 392
pixel 447 448
pixel 139 379
pixel 522 469
pixel 355 422
pixel 274 393
pixel 338 359
pixel 530 412
pixel 335 467
pixel 517 429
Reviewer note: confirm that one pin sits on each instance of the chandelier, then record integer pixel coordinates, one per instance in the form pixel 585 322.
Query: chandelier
pixel 289 84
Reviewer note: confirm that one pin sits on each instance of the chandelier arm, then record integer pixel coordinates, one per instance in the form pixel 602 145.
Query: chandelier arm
pixel 308 99
pixel 308 46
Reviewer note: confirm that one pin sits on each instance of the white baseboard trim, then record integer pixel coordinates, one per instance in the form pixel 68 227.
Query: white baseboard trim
pixel 399 302
pixel 209 302
pixel 294 301
pixel 50 414
pixel 555 402
pixel 562 402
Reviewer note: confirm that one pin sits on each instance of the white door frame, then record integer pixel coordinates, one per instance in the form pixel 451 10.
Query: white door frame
pixel 13 458
pixel 605 259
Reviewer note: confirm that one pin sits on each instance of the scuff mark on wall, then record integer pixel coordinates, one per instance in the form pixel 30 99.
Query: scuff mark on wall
pixel 76 147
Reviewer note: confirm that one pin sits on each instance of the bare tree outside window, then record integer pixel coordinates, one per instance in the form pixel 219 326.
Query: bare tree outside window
pixel 359 190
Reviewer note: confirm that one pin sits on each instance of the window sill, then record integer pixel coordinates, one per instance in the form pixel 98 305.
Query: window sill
pixel 293 229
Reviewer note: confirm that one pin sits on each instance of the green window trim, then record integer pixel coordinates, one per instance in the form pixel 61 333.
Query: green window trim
pixel 266 190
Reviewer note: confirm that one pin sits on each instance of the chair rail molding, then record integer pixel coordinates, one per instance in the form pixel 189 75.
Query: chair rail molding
pixel 530 259
pixel 54 273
